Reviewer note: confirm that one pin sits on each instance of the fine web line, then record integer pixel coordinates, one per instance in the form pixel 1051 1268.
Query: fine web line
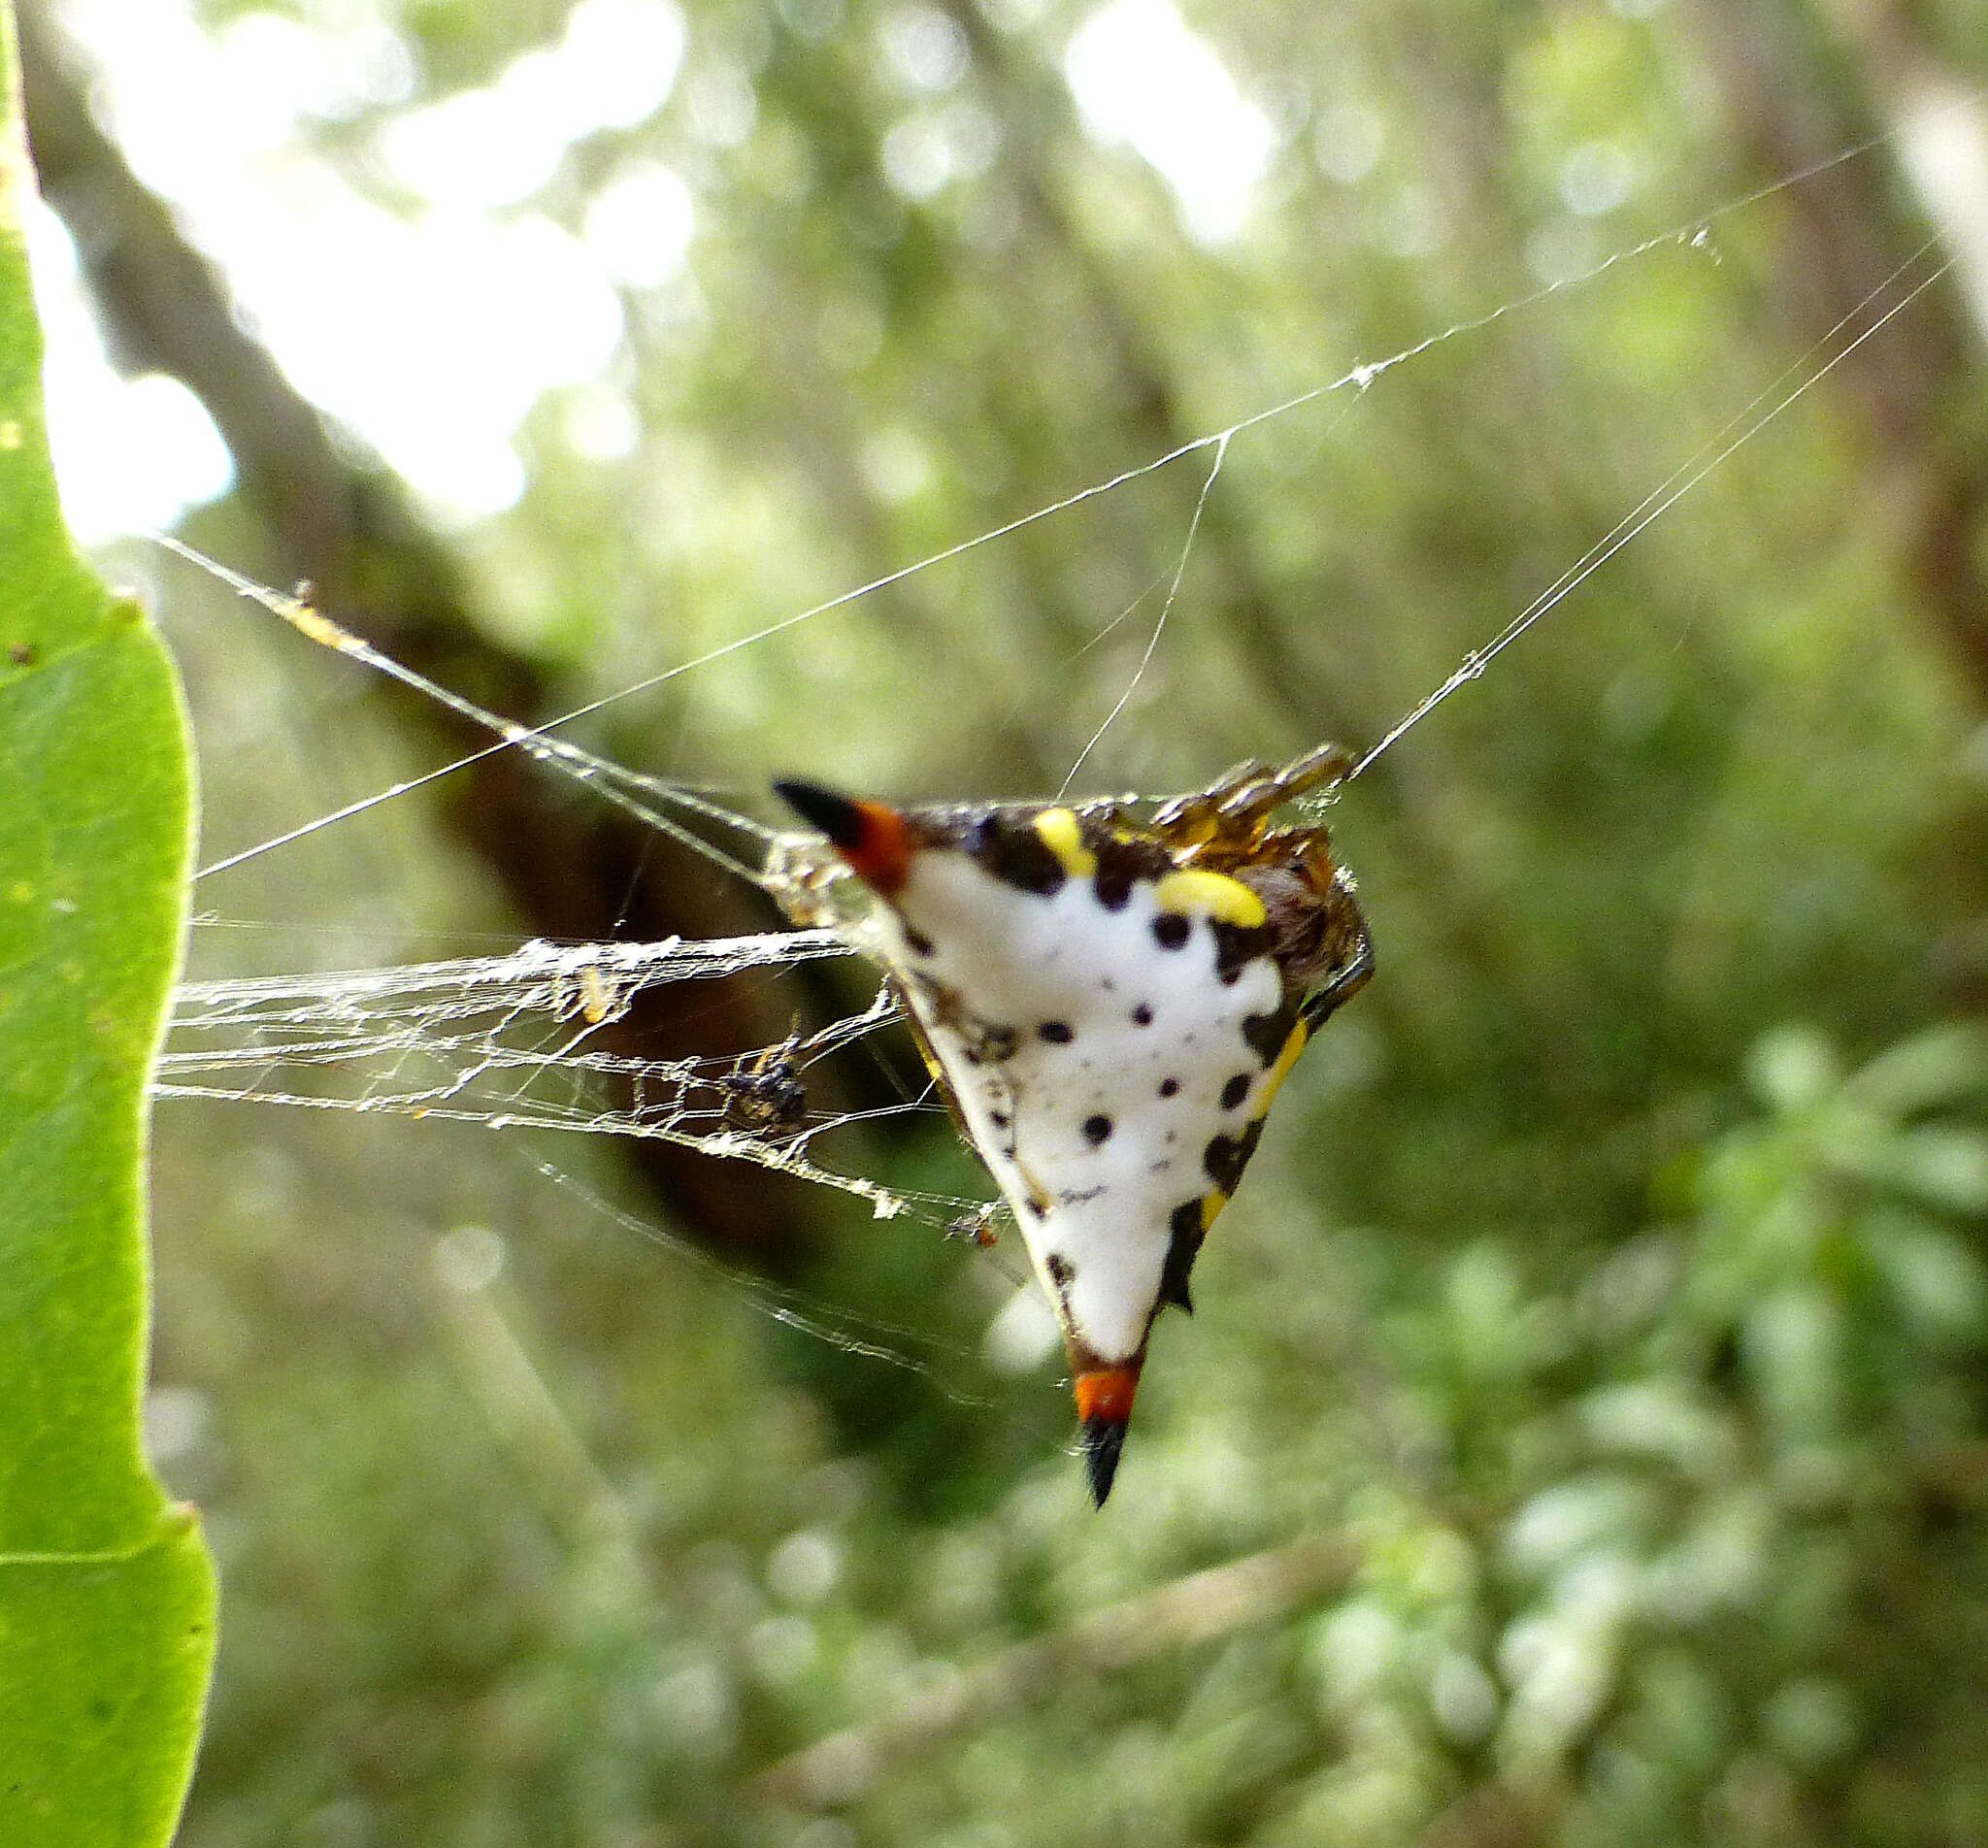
pixel 1693 233
pixel 616 784
pixel 1739 430
pixel 514 1041
pixel 1153 641
pixel 863 1336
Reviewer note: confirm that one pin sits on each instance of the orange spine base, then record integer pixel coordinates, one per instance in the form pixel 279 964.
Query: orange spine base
pixel 871 836
pixel 1104 1404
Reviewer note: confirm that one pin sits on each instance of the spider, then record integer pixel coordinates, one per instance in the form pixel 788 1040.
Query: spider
pixel 1109 1001
pixel 764 1093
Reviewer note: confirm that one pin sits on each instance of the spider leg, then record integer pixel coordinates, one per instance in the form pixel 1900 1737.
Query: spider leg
pixel 1322 764
pixel 1249 795
pixel 1346 983
pixel 1244 796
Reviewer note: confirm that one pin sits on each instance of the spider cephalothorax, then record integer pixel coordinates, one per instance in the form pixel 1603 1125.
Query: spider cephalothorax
pixel 766 1094
pixel 1109 1001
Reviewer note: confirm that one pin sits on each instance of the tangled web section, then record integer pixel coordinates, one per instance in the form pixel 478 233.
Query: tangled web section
pixel 513 1040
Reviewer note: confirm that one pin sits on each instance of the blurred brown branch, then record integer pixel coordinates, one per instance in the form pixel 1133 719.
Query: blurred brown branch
pixel 574 872
pixel 1844 241
pixel 846 1765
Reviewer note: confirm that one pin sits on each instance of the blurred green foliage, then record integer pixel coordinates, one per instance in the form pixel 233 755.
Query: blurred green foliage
pixel 1630 1341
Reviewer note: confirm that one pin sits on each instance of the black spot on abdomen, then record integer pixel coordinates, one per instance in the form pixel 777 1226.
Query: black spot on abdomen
pixel 1016 855
pixel 1223 1161
pixel 992 1045
pixel 1236 946
pixel 1182 1248
pixel 1265 1034
pixel 1226 1157
pixel 1122 864
pixel 1096 1129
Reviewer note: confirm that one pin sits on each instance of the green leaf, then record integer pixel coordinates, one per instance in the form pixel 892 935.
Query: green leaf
pixel 1938 1065
pixel 1793 1069
pixel 1943 1165
pixel 105 1588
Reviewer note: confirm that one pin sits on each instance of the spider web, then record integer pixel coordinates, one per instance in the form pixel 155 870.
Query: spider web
pixel 511 1041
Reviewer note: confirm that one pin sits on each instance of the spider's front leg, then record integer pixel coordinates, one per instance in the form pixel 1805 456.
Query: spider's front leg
pixel 1347 981
pixel 1246 797
pixel 1323 763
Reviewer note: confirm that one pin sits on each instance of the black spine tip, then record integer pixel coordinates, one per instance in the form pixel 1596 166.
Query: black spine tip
pixel 1103 1440
pixel 835 815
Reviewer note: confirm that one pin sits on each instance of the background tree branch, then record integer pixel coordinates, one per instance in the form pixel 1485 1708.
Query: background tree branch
pixel 345 526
